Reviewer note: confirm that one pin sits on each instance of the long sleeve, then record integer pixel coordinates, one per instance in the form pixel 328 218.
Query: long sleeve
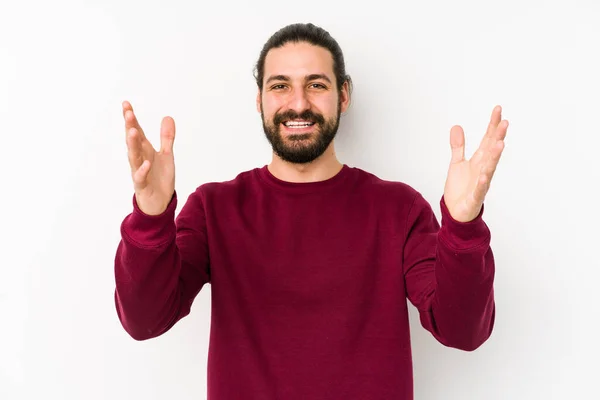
pixel 161 265
pixel 449 274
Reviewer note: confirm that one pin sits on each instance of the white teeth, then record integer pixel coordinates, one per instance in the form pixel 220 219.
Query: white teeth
pixel 298 124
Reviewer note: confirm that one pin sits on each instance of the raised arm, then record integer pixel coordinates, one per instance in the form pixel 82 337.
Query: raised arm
pixel 449 270
pixel 161 262
pixel 449 275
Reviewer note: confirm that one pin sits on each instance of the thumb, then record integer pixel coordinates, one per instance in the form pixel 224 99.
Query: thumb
pixel 167 135
pixel 457 144
pixel 140 175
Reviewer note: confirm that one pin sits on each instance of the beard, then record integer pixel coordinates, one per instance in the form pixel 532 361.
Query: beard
pixel 301 148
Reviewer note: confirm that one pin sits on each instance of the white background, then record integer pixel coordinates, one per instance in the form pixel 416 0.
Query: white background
pixel 418 68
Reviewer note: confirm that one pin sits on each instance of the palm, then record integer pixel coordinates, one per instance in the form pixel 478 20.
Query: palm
pixel 153 172
pixel 161 177
pixel 468 181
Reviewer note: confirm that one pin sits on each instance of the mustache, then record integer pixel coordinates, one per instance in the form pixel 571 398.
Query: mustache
pixel 306 115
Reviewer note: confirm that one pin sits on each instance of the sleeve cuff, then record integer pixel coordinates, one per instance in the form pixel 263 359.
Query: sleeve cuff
pixel 463 235
pixel 150 230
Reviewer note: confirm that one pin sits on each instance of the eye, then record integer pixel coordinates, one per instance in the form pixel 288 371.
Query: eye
pixel 317 86
pixel 277 87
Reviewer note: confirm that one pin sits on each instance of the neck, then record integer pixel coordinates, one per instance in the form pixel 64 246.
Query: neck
pixel 323 168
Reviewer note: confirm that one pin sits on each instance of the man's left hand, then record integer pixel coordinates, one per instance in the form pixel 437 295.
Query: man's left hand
pixel 469 180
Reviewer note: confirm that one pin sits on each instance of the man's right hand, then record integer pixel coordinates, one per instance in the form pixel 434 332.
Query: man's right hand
pixel 153 172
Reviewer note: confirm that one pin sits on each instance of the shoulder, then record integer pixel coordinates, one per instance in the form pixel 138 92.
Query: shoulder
pixel 395 203
pixel 239 185
pixel 380 188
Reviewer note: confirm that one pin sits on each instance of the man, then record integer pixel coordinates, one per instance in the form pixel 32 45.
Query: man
pixel 310 261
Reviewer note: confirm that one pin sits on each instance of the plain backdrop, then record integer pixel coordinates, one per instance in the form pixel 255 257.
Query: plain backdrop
pixel 418 69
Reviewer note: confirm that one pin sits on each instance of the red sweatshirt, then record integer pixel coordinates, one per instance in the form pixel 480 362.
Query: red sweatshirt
pixel 309 282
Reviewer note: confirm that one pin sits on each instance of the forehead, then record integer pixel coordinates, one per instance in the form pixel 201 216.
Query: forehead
pixel 298 60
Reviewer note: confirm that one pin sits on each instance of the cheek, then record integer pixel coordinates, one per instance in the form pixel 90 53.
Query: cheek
pixel 269 107
pixel 325 105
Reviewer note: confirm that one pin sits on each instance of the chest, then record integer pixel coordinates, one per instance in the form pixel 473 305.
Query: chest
pixel 301 255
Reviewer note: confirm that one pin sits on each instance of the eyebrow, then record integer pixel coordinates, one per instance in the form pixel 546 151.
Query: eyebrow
pixel 310 77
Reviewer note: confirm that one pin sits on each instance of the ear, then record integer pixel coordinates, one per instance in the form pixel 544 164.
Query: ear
pixel 258 101
pixel 345 97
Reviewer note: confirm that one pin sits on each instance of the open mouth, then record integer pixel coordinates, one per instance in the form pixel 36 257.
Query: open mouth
pixel 298 124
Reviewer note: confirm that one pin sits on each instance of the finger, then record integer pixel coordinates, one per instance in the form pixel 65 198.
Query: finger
pixel 488 170
pixel 495 154
pixel 167 135
pixel 480 190
pixel 126 105
pixel 457 144
pixel 495 119
pixel 131 120
pixel 140 175
pixel 135 151
pixel 500 133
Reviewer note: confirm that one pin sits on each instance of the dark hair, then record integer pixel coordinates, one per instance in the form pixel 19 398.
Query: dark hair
pixel 304 33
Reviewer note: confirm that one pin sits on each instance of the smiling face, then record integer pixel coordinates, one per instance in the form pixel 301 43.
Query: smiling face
pixel 300 103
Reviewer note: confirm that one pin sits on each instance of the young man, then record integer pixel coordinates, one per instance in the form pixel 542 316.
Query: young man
pixel 310 261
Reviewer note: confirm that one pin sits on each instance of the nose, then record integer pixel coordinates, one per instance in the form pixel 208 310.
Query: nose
pixel 298 101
